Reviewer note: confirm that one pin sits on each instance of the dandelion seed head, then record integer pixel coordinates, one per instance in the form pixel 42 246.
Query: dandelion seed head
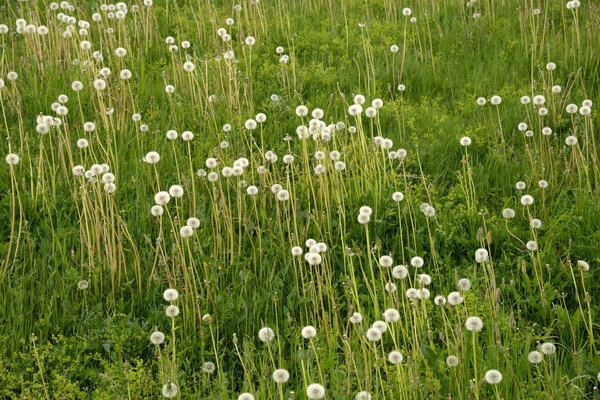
pixel 281 375
pixel 493 377
pixel 400 272
pixel 283 195
pixel 208 367
pixel 157 211
pixel 309 332
pixel 495 100
pixel 539 100
pixel 266 334
pixel 162 198
pixel 313 258
pixel 417 262
pixel 186 231
pixel 481 255
pixel 176 191
pixel 355 109
pixel 583 265
pixel 526 200
pixel 315 391
pixel 364 395
pixel 371 112
pixel 78 170
pixel 12 159
pixel 454 298
pixel 531 245
pixel 172 311
pixel 395 357
pixel 452 361
pixel 373 334
pixel 535 357
pixel 171 295
pixel 385 261
pixel 536 223
pixel 424 279
pixel 464 284
pixel 356 318
pixel 391 315
pixel 412 293
pixel 170 390
pixel 548 348
pixel 301 111
pixel 157 337
pixel 474 324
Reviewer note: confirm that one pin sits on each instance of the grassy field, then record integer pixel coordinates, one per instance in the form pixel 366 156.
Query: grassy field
pixel 300 199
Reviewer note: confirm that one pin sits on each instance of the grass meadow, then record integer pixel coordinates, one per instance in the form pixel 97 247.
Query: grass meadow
pixel 299 199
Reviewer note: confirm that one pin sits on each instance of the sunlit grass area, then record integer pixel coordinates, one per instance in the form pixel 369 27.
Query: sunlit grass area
pixel 304 199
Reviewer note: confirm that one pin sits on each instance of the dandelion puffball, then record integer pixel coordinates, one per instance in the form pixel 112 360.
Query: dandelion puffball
pixel 526 200
pixel 395 357
pixel 416 262
pixel 315 391
pixel 355 109
pixel 208 367
pixel 481 255
pixel 12 159
pixel 452 361
pixel 170 390
pixel 495 100
pixel 171 294
pixel 172 311
pixel 583 265
pixel 454 298
pixel 464 284
pixel 157 337
pixel 373 334
pixel 400 272
pixel 364 395
pixel 309 332
pixel 385 261
pixel 397 196
pixel 391 315
pixel 439 301
pixel 356 318
pixel 281 375
pixel 548 348
pixel 474 324
pixel 266 334
pixel 493 377
pixel 535 357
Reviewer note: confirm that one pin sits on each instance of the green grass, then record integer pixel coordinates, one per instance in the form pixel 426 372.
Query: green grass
pixel 236 274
